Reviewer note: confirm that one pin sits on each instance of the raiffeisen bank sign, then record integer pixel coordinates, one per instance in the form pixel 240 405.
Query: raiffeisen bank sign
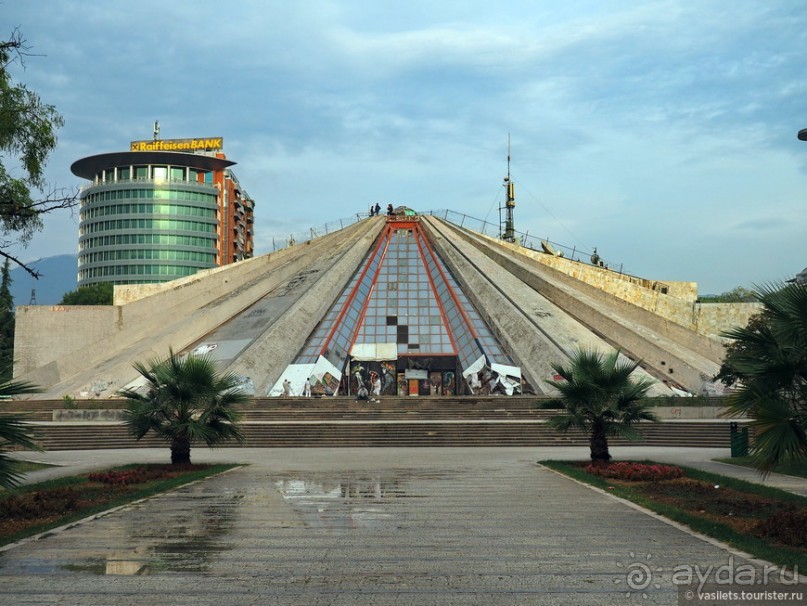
pixel 181 145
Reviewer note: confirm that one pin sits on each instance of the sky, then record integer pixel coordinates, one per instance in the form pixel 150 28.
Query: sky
pixel 661 132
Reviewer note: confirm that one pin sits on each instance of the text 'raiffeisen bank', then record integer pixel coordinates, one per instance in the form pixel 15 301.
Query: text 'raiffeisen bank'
pixel 211 144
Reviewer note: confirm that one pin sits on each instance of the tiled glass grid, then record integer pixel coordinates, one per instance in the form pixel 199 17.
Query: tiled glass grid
pixel 402 308
pixel 469 349
pixel 405 294
pixel 338 347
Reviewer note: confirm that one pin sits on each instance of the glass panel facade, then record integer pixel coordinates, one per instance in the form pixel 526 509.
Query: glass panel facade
pixel 403 294
pixel 147 193
pixel 159 224
pixel 155 228
pixel 402 308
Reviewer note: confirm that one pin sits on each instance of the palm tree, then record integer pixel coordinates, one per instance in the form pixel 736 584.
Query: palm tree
pixel 600 397
pixel 186 400
pixel 13 432
pixel 770 361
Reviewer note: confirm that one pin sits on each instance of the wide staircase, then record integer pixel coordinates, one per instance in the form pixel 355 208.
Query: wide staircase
pixel 335 422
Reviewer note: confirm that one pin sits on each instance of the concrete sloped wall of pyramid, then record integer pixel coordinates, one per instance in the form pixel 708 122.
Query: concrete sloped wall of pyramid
pixel 554 313
pixel 252 316
pixel 316 310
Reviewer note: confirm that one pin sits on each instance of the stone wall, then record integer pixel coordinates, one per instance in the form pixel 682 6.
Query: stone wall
pixel 673 301
pixel 639 291
pixel 715 318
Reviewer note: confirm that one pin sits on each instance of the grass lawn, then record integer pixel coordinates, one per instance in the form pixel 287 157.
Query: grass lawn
pixel 36 508
pixel 769 523
pixel 791 469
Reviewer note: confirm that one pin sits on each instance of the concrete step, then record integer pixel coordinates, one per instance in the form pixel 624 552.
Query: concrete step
pixel 334 404
pixel 71 436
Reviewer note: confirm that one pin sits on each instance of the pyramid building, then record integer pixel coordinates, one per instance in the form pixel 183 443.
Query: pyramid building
pixel 405 304
pixel 403 324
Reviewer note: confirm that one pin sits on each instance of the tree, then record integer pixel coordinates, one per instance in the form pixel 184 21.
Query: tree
pixel 13 432
pixel 99 293
pixel 600 397
pixel 186 400
pixel 27 135
pixel 734 348
pixel 739 294
pixel 6 326
pixel 770 362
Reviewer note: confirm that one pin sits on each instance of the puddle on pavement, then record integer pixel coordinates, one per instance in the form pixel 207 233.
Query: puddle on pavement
pixel 186 534
pixel 177 538
pixel 351 501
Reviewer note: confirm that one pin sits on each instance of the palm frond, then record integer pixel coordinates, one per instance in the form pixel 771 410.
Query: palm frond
pixel 769 357
pixel 9 389
pixel 187 401
pixel 599 395
pixel 15 432
pixel 10 478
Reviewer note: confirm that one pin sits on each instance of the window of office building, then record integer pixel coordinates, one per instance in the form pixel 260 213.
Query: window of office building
pixel 159 173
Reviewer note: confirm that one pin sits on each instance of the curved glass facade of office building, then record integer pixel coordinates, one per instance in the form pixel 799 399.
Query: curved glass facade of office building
pixel 148 217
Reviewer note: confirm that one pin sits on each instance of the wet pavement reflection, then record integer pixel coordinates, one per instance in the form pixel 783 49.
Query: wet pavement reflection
pixel 369 528
pixel 353 501
pixel 181 532
pixel 189 529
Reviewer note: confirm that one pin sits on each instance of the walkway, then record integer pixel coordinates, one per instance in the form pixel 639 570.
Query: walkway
pixel 362 526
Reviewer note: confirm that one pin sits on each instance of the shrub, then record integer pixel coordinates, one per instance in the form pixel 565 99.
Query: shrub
pixel 635 472
pixel 118 478
pixel 39 504
pixel 788 527
pixel 138 475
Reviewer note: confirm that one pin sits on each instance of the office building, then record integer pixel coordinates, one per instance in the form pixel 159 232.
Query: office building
pixel 160 211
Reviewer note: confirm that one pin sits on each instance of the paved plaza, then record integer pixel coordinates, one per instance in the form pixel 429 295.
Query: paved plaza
pixel 365 527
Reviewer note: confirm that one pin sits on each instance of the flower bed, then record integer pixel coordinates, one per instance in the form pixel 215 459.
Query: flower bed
pixel 137 475
pixel 764 521
pixel 635 472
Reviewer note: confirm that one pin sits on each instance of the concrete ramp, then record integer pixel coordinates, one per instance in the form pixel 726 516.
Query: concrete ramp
pixel 671 353
pixel 95 346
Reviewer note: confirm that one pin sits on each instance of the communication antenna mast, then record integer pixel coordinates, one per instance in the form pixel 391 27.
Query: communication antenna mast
pixel 156 129
pixel 509 229
pixel 33 297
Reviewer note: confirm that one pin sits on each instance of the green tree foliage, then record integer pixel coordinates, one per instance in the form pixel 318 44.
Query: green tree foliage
pixel 185 400
pixel 738 348
pixel 739 294
pixel 99 293
pixel 27 136
pixel 13 432
pixel 769 359
pixel 6 326
pixel 601 398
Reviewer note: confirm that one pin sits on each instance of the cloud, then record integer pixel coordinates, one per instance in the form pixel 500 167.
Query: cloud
pixel 634 126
